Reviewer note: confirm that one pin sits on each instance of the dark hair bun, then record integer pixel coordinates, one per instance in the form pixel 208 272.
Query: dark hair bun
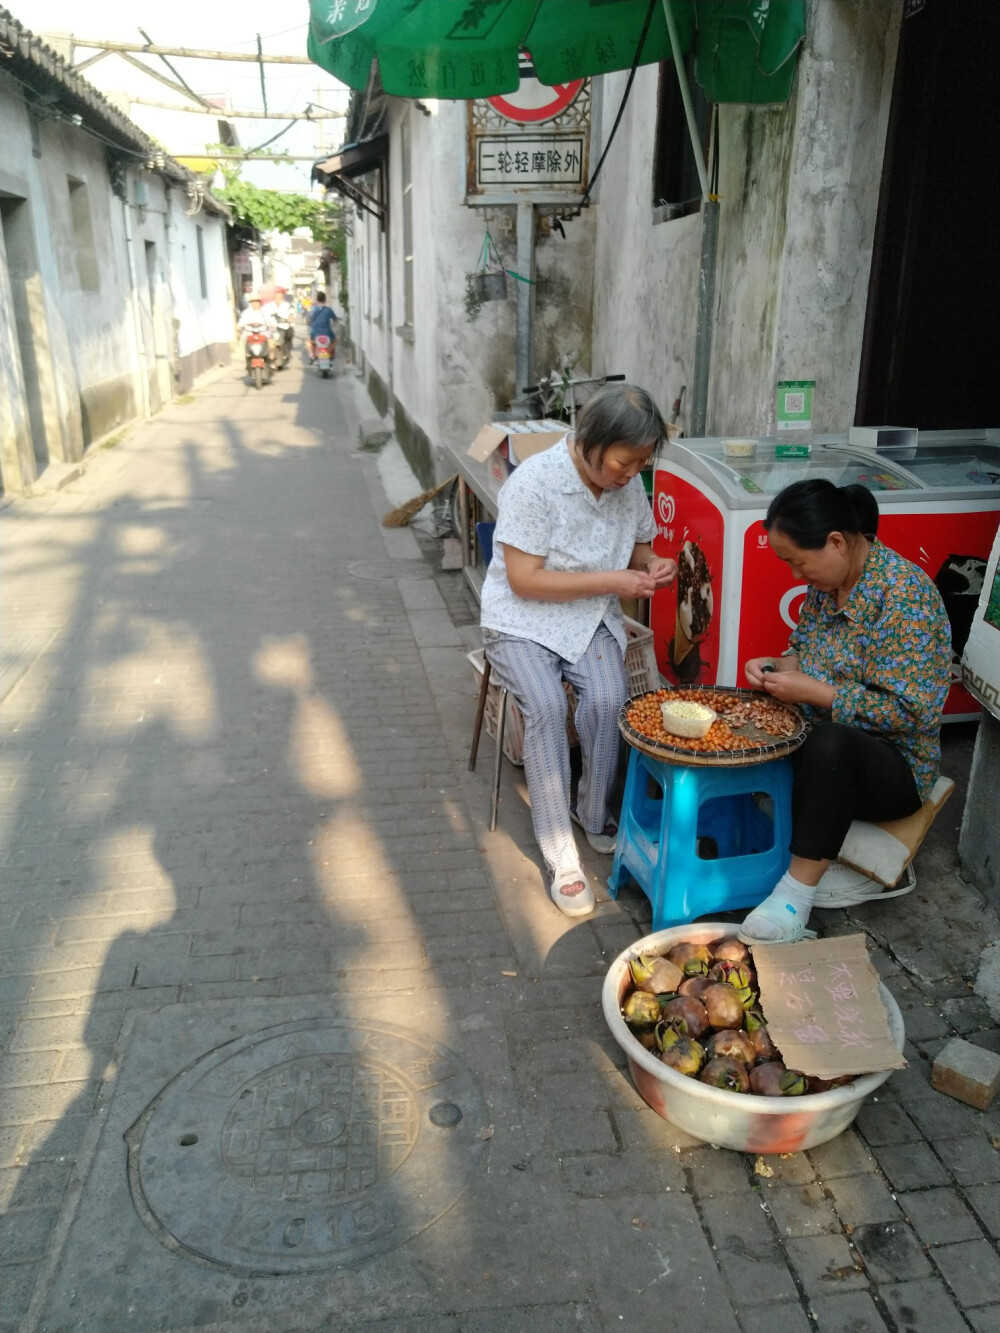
pixel 809 510
pixel 865 508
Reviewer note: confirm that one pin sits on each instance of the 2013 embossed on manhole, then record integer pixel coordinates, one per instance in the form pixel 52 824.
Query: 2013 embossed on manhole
pixel 306 1145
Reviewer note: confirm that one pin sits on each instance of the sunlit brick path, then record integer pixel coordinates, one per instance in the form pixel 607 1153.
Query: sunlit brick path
pixel 234 723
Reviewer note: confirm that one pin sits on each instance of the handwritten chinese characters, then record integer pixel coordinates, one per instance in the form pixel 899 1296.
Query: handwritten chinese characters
pixel 823 1007
pixel 845 1023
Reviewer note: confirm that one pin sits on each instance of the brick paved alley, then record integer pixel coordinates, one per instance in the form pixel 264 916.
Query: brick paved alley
pixel 239 831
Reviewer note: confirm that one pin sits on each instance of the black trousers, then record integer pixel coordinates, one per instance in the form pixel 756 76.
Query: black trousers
pixel 843 773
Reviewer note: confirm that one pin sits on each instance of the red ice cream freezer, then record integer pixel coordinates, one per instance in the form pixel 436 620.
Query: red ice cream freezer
pixel 939 503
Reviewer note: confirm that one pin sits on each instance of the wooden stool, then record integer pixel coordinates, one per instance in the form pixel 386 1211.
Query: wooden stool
pixel 883 851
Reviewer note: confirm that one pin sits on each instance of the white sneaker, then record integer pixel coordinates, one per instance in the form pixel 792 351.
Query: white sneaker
pixel 605 842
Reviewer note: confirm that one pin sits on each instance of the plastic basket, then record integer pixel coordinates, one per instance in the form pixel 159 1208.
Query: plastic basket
pixel 513 731
pixel 640 659
pixel 640 667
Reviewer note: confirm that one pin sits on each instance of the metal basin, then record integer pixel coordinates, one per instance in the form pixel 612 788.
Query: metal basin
pixel 735 1120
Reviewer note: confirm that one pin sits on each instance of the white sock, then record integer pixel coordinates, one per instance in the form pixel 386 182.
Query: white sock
pixel 789 900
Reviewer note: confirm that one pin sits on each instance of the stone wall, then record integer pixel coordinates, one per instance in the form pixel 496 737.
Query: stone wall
pixel 445 375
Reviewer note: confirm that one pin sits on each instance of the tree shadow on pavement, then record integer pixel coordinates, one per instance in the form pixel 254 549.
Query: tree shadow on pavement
pixel 229 788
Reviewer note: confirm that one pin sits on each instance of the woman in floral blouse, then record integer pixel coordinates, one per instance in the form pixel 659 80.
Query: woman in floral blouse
pixel 870 661
pixel 573 535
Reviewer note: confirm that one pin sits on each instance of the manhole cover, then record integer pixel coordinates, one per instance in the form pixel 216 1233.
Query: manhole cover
pixel 306 1145
pixel 389 570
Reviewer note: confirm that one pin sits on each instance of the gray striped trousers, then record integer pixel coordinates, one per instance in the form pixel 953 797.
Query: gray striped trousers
pixel 534 677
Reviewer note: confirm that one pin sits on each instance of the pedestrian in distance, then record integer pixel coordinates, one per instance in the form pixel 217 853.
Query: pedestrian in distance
pixel 573 535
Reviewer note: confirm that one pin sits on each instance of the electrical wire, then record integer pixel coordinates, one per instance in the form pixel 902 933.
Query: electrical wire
pixel 291 124
pixel 236 46
pixel 575 213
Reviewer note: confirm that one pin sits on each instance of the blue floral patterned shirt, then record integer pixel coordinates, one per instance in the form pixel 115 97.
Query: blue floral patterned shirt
pixel 888 653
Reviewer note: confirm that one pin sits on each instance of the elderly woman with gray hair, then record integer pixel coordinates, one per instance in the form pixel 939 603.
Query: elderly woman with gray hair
pixel 573 535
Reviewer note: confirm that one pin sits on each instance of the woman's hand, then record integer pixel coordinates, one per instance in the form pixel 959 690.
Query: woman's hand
pixel 529 578
pixel 795 687
pixel 633 582
pixel 662 570
pixel 758 669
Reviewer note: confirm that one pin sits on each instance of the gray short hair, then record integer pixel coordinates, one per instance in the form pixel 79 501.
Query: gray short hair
pixel 619 414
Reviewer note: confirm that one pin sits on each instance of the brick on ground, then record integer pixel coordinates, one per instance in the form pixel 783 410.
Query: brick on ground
pixel 850 1313
pixel 923 1306
pixel 968 1073
pixel 891 1252
pixel 825 1264
pixel 971 1269
pixel 939 1216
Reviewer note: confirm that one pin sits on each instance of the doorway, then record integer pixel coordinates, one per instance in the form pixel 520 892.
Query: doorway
pixel 28 311
pixel 928 356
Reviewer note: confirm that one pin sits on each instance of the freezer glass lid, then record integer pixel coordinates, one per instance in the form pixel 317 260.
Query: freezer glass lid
pixel 766 475
pixel 956 466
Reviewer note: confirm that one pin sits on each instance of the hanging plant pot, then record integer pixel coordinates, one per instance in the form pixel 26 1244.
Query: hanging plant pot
pixel 490 286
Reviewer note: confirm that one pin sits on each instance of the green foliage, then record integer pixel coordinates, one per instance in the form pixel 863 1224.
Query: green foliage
pixel 271 210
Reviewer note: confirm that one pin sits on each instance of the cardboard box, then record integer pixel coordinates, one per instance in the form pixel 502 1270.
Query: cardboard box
pixel 501 445
pixel 902 440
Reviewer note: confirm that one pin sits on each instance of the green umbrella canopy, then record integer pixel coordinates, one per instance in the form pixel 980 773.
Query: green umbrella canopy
pixel 469 48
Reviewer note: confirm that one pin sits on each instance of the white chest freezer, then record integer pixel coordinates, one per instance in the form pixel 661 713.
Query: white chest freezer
pixel 939 504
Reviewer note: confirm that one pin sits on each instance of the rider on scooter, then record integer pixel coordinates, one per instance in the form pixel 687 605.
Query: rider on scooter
pixel 321 321
pixel 284 313
pixel 257 320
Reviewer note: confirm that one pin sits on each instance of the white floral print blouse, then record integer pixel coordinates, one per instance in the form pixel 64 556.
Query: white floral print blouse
pixel 546 509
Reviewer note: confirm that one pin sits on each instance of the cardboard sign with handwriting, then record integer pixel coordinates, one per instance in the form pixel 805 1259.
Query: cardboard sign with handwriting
pixel 823 1009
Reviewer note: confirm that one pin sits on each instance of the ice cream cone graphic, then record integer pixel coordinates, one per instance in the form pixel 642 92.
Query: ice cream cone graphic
pixel 681 645
pixel 694 610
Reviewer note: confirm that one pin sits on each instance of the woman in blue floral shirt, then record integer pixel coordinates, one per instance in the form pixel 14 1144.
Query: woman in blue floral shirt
pixel 870 662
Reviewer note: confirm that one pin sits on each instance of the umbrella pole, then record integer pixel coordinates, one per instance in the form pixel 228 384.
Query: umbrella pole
pixel 709 244
pixel 675 46
pixel 706 311
pixel 526 268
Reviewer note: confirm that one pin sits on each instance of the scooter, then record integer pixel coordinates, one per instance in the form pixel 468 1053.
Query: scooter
pixel 283 347
pixel 325 350
pixel 258 356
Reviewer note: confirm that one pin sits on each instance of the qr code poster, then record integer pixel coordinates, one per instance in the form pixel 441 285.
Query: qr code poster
pixel 794 405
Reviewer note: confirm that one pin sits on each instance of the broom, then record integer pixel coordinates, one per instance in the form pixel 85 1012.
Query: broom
pixel 401 515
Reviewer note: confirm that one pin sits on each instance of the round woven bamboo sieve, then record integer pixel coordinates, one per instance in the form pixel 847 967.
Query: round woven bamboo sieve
pixel 773 747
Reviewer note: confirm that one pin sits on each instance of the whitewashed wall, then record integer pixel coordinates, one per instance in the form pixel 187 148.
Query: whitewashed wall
pixel 206 325
pixel 800 189
pixel 799 195
pixel 646 274
pixel 447 375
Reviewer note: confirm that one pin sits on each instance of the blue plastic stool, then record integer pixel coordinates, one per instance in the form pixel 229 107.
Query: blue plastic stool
pixel 659 836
